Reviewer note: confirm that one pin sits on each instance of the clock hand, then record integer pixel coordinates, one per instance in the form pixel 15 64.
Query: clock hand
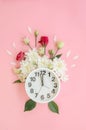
pixel 39 90
pixel 42 80
pixel 41 77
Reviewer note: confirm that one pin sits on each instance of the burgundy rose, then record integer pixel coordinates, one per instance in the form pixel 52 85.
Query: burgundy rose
pixel 44 41
pixel 20 56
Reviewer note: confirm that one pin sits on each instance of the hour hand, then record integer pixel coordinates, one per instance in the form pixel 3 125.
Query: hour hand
pixel 42 81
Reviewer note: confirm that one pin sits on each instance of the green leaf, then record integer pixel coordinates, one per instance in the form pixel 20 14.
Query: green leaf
pixel 53 107
pixel 29 105
pixel 17 81
pixel 58 56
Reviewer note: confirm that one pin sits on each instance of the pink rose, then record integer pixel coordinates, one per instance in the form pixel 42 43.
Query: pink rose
pixel 20 56
pixel 44 41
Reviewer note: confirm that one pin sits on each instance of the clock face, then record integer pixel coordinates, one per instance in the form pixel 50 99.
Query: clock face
pixel 42 85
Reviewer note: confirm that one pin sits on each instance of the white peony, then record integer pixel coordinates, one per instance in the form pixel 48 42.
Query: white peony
pixel 32 57
pixel 34 60
pixel 45 62
pixel 59 67
pixel 25 67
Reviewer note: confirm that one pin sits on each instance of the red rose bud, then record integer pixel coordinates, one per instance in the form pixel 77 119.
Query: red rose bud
pixel 20 56
pixel 44 41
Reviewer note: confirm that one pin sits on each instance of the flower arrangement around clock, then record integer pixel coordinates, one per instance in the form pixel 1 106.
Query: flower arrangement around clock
pixel 41 74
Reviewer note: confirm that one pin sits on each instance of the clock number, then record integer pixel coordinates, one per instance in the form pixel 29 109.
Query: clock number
pixel 33 79
pixel 55 85
pixel 37 74
pixel 36 94
pixel 31 90
pixel 53 79
pixel 29 84
pixel 42 97
pixel 53 91
pixel 49 74
pixel 43 72
pixel 48 95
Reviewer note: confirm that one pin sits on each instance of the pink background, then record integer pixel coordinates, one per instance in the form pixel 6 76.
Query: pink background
pixel 67 20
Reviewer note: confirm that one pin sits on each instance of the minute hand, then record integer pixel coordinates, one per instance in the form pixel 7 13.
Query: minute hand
pixel 42 79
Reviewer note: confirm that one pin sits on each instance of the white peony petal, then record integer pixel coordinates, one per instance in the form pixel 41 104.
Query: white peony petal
pixel 68 53
pixel 55 38
pixel 14 45
pixel 75 57
pixel 29 29
pixel 73 65
pixel 13 63
pixel 9 53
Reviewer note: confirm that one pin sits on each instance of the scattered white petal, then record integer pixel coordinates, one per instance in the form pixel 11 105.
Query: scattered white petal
pixel 74 65
pixel 8 52
pixel 14 45
pixel 55 38
pixel 76 57
pixel 13 63
pixel 29 29
pixel 68 53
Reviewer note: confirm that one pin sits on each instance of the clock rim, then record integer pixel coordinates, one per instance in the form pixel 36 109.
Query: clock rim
pixel 42 102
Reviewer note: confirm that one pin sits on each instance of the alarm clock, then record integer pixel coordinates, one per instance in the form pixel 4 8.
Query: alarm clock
pixel 42 85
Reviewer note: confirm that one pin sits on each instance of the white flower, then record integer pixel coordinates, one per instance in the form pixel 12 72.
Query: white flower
pixel 32 56
pixel 17 70
pixel 64 77
pixel 59 67
pixel 25 67
pixel 33 61
pixel 22 77
pixel 45 62
pixel 41 51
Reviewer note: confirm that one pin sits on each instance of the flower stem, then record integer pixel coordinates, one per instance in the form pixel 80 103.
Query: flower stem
pixel 30 47
pixel 55 54
pixel 35 41
pixel 44 50
pixel 51 57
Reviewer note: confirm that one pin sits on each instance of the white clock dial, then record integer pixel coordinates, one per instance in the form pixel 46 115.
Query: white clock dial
pixel 42 85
